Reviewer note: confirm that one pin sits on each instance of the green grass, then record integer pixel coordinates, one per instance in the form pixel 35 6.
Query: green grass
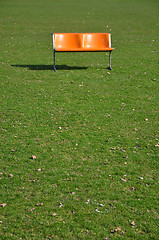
pixel 94 132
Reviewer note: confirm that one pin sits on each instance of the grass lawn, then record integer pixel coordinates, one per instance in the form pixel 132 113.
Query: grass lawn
pixel 79 147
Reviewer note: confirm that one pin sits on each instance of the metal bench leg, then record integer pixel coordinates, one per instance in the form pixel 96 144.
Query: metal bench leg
pixel 110 68
pixel 54 62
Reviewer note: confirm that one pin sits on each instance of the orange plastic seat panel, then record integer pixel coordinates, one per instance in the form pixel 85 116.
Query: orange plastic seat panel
pixel 67 41
pixel 95 41
pixel 82 42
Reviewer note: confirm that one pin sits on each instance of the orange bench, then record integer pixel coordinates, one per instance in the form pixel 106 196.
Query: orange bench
pixel 82 42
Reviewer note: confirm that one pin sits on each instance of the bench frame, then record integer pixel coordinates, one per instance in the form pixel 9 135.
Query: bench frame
pixel 55 50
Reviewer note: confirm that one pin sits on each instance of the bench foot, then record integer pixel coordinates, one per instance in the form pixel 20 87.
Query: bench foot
pixel 109 68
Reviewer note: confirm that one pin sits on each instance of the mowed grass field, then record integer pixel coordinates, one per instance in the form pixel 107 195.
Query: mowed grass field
pixel 79 147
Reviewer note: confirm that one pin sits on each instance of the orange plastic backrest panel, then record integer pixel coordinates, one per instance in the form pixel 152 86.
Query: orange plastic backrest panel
pixel 67 41
pixel 96 40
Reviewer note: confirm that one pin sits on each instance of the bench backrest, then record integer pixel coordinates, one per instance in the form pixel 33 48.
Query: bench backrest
pixel 82 41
